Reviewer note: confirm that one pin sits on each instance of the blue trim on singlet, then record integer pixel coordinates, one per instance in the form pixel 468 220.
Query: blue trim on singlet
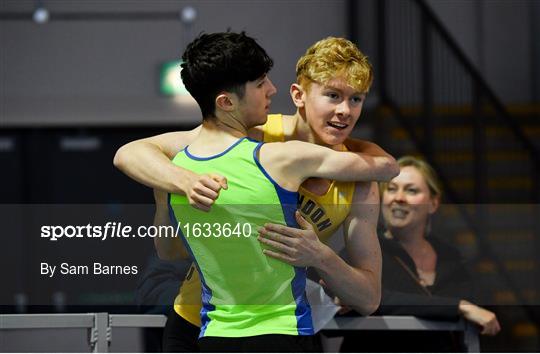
pixel 206 295
pixel 304 320
pixel 193 157
pixel 289 200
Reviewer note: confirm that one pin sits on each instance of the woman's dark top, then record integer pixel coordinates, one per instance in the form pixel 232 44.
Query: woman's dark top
pixel 402 295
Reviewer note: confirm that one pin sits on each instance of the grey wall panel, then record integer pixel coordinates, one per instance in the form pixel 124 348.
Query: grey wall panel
pixel 98 72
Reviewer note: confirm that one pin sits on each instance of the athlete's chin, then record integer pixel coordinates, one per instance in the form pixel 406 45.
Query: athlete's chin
pixel 397 224
pixel 261 119
pixel 334 139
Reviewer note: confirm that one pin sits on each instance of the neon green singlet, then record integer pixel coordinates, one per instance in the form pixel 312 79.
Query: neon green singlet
pixel 244 292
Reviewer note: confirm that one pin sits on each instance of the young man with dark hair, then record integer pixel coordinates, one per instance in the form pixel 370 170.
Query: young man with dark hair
pixel 211 64
pixel 250 302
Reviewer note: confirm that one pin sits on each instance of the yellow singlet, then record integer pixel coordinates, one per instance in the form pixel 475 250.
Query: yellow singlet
pixel 325 212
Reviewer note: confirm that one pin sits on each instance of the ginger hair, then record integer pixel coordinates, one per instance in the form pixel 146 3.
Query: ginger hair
pixel 334 57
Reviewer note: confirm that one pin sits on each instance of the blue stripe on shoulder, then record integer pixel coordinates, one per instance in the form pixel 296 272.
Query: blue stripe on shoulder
pixel 288 199
pixel 196 158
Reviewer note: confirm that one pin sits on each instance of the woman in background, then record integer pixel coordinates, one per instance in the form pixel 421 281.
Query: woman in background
pixel 422 275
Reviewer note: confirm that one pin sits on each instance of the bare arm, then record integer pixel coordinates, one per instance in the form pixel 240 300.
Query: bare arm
pixel 358 284
pixel 168 248
pixel 384 165
pixel 292 162
pixel 348 166
pixel 148 161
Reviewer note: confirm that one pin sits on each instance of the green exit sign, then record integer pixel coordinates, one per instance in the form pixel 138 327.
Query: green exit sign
pixel 170 81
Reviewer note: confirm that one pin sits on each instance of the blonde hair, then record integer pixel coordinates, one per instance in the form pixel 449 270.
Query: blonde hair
pixel 334 57
pixel 425 169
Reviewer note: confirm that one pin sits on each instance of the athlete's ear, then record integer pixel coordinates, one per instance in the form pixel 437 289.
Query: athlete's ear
pixel 298 95
pixel 226 102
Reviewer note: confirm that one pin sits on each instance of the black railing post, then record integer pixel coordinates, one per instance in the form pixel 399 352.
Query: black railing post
pixel 352 23
pixel 479 166
pixel 479 148
pixel 381 49
pixel 427 86
pixel 536 233
pixel 380 77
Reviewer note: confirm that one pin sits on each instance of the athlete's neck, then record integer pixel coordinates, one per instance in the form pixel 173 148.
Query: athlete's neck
pixel 214 138
pixel 304 132
pixel 229 121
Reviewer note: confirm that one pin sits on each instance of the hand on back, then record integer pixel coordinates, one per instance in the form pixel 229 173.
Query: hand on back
pixel 203 190
pixel 297 247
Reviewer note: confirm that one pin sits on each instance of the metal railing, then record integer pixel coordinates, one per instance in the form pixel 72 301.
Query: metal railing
pixel 101 325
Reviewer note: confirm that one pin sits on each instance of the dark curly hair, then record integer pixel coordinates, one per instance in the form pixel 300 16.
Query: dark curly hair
pixel 223 61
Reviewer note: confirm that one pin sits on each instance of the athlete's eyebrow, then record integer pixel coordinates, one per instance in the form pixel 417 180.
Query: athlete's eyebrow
pixel 332 87
pixel 409 185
